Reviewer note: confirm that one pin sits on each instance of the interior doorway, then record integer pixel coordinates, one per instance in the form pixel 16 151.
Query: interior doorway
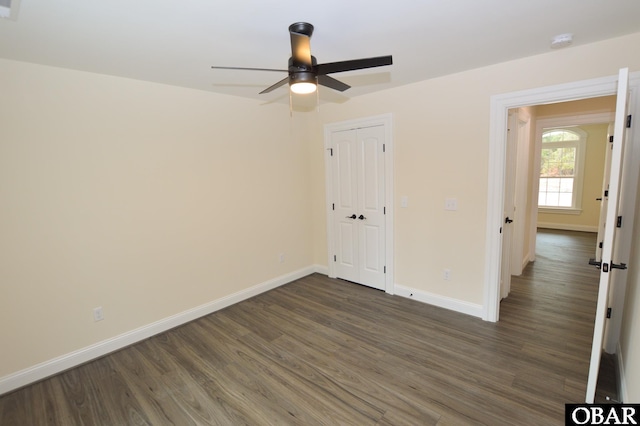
pixel 359 190
pixel 579 90
pixel 500 105
pixel 589 120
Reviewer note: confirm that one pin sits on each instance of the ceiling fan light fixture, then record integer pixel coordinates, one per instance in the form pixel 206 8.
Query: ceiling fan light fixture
pixel 303 88
pixel 303 83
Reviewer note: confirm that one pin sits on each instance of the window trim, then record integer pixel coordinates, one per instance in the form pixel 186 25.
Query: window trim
pixel 578 185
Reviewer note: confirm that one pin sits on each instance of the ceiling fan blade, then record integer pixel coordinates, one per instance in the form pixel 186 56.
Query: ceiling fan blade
pixel 247 69
pixel 354 64
pixel 275 86
pixel 300 33
pixel 332 83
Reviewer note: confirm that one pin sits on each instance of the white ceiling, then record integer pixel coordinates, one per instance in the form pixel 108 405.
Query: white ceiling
pixel 176 42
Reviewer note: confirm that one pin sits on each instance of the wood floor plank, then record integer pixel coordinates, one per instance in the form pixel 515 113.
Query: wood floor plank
pixel 321 351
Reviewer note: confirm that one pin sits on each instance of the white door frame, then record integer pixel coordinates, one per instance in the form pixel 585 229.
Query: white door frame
pixel 379 120
pixel 500 105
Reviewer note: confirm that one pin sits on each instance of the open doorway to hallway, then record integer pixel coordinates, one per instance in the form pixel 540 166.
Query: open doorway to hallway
pixel 570 188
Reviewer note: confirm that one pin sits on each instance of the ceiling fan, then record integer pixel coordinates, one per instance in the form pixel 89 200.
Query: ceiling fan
pixel 304 71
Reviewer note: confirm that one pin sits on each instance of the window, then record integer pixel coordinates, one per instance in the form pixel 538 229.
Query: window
pixel 561 169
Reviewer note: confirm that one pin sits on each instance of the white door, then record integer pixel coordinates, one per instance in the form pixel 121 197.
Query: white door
pixel 359 205
pixel 521 199
pixel 609 263
pixel 509 205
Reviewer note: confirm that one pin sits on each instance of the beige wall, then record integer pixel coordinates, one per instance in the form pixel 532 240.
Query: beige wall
pixel 147 200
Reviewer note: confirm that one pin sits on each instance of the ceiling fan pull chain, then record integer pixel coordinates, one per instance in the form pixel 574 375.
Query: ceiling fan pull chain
pixel 290 104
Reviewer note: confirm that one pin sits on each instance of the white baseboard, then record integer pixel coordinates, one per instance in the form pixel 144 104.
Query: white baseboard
pixel 321 269
pixel 440 301
pixel 622 381
pixel 81 356
pixel 568 227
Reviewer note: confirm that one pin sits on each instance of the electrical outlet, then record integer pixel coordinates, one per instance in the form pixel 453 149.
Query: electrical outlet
pixel 281 257
pixel 451 204
pixel 446 274
pixel 98 315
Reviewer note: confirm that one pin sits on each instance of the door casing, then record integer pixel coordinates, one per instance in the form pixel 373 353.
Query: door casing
pixel 499 107
pixel 380 120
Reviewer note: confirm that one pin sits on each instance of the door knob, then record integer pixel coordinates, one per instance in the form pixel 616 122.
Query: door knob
pixel 618 266
pixel 362 217
pixel 353 216
pixel 596 263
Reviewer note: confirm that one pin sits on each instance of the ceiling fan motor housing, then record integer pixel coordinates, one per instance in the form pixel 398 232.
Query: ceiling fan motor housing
pixel 301 72
pixel 303 28
pixel 302 77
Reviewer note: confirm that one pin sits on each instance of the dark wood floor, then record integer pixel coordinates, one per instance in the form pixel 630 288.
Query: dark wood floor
pixel 320 351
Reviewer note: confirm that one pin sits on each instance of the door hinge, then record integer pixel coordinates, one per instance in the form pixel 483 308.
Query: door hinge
pixel 384 147
pixel 501 229
pixel 385 269
pixel 611 139
pixel 335 258
pixel 333 206
pixel 331 151
pixel 619 222
pixel 608 312
pixel 600 244
pixel 384 210
pixel 629 121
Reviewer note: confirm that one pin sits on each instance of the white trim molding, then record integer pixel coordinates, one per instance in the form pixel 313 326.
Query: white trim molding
pixel 86 354
pixel 445 302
